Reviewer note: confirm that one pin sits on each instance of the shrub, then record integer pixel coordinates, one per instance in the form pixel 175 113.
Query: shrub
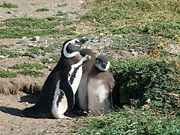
pixel 147 78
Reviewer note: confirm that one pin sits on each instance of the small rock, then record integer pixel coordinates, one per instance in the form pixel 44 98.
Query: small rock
pixel 24 26
pixel 31 45
pixel 134 53
pixel 21 42
pixel 2 57
pixel 40 41
pixel 36 38
pixel 16 15
pixel 1 17
pixel 33 56
pixel 24 37
pixel 9 12
pixel 68 15
pixel 94 41
pixel 49 59
pixel 49 68
pixel 61 11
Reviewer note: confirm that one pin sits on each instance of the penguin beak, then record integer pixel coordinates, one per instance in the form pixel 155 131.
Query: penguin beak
pixel 82 41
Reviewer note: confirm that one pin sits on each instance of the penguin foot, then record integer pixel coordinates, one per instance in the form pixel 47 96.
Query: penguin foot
pixel 64 117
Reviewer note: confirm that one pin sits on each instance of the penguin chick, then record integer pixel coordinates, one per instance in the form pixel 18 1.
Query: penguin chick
pixel 58 92
pixel 100 86
pixel 82 89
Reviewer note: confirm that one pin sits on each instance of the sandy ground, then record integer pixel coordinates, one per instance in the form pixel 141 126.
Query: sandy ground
pixel 11 120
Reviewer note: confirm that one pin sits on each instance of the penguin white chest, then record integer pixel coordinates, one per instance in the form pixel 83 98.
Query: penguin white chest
pixel 75 77
pixel 97 97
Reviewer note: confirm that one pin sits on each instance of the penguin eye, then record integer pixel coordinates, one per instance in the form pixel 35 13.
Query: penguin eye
pixel 76 42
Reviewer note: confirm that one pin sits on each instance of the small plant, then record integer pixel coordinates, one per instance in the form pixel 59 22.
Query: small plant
pixel 62 5
pixel 31 73
pixel 61 14
pixel 8 5
pixel 28 66
pixel 129 122
pixel 7 74
pixel 55 59
pixel 42 10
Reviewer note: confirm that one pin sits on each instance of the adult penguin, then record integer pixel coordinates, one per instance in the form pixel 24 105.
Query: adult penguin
pixel 58 92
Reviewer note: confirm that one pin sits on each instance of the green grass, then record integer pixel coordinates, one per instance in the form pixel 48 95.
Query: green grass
pixel 7 74
pixel 145 78
pixel 8 5
pixel 29 66
pixel 62 5
pixel 129 122
pixel 159 18
pixel 42 10
pixel 55 59
pixel 31 73
pixel 35 27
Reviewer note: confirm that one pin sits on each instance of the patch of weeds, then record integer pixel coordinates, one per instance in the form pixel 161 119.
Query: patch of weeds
pixel 7 74
pixel 42 10
pixel 51 18
pixel 129 122
pixel 18 33
pixel 75 13
pixel 132 41
pixel 8 5
pixel 28 66
pixel 147 78
pixel 31 23
pixel 61 14
pixel 10 53
pixel 68 22
pixel 55 59
pixel 31 73
pixel 134 16
pixel 62 5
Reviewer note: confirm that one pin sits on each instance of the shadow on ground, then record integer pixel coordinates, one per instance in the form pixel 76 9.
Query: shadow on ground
pixel 12 111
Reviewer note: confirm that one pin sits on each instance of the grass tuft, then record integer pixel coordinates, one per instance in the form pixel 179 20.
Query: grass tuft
pixel 7 74
pixel 8 5
pixel 42 10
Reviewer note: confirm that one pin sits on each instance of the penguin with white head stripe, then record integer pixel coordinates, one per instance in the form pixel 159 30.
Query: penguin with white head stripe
pixel 58 93
pixel 100 87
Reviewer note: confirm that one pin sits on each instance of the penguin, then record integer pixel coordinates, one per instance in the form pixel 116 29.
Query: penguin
pixel 100 84
pixel 58 92
pixel 82 89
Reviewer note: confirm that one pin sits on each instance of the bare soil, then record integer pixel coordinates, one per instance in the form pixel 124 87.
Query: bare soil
pixel 13 91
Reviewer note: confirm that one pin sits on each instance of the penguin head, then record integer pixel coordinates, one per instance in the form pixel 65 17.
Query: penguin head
pixel 102 62
pixel 72 47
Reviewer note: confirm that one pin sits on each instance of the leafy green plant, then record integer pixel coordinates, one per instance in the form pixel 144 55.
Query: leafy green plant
pixel 42 10
pixel 8 5
pixel 7 74
pixel 31 73
pixel 129 122
pixel 28 66
pixel 136 16
pixel 55 59
pixel 147 78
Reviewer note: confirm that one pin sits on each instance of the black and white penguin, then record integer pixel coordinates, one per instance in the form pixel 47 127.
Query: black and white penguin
pixel 100 86
pixel 58 93
pixel 82 99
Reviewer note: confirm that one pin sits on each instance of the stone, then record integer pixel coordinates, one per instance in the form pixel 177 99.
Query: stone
pixel 24 37
pixel 24 26
pixel 21 42
pixel 16 15
pixel 33 56
pixel 36 38
pixel 2 57
pixel 68 15
pixel 49 59
pixel 61 11
pixel 9 12
pixel 1 17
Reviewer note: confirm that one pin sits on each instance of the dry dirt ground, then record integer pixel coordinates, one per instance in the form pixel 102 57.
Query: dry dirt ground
pixel 11 121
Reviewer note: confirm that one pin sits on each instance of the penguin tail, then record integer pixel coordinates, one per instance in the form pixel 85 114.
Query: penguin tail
pixel 33 112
